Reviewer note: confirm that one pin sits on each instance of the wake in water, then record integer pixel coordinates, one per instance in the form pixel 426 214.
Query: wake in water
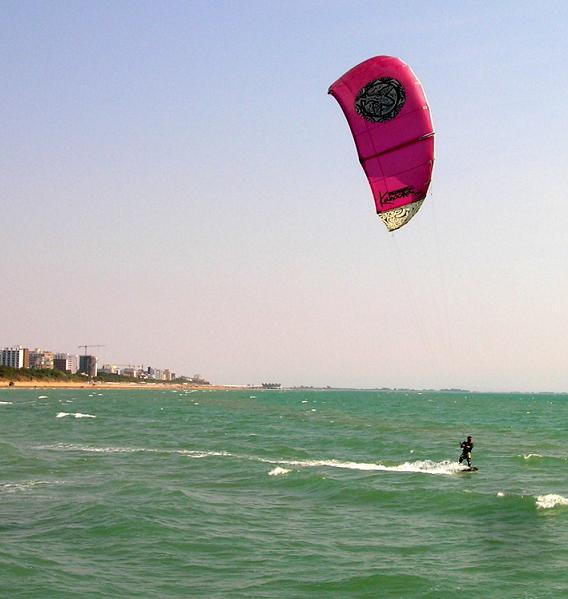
pixel 88 449
pixel 445 467
pixel 282 468
pixel 424 466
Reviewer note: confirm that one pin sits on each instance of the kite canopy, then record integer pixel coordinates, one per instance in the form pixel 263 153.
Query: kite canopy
pixel 390 120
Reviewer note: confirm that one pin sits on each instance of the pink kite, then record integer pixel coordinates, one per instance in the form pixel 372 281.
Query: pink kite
pixel 390 120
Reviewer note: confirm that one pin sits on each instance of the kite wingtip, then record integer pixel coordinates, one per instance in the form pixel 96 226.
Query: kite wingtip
pixel 398 217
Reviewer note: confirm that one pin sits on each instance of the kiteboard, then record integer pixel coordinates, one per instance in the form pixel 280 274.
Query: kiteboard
pixel 470 469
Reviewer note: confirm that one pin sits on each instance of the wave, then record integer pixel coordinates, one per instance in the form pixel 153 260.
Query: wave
pixel 6 403
pixel 545 502
pixel 76 414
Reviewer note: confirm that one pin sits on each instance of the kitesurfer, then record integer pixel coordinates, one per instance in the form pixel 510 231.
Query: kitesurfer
pixel 467 448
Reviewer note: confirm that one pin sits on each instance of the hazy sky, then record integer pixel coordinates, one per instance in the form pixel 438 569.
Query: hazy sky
pixel 177 185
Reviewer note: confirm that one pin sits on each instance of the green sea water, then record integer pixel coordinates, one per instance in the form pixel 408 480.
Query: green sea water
pixel 281 494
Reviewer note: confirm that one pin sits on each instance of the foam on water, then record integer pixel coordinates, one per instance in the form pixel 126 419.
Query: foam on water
pixel 71 447
pixel 278 471
pixel 185 452
pixel 424 466
pixel 76 414
pixel 545 502
pixel 6 403
pixel 200 454
pixel 24 485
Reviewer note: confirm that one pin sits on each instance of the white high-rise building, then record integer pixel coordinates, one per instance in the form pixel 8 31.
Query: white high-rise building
pixel 12 357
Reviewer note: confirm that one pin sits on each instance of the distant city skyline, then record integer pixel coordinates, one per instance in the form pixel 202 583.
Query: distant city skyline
pixel 19 356
pixel 177 184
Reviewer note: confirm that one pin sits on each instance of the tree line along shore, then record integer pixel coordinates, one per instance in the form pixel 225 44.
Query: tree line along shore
pixel 36 376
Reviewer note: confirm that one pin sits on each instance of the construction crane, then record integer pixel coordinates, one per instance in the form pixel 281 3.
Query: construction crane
pixel 90 345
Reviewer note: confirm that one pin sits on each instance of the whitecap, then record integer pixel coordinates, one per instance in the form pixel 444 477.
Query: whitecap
pixel 42 396
pixel 24 485
pixel 6 403
pixel 500 494
pixel 76 414
pixel 544 502
pixel 278 471
pixel 528 456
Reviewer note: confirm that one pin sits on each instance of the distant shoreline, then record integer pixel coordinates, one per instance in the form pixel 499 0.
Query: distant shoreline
pixel 5 384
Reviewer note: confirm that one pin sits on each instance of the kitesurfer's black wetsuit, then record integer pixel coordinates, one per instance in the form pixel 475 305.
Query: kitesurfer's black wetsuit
pixel 466 447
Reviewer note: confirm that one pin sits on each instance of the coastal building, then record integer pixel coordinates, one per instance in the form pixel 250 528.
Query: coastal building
pixel 131 371
pixel 271 385
pixel 109 369
pixel 14 357
pixel 41 359
pixel 66 363
pixel 88 365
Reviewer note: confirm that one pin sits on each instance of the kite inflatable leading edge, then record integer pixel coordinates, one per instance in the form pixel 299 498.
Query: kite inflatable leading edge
pixel 390 120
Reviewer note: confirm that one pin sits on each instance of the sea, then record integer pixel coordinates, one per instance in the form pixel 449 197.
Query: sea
pixel 281 494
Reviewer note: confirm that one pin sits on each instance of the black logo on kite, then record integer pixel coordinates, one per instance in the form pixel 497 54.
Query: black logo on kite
pixel 391 196
pixel 381 100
